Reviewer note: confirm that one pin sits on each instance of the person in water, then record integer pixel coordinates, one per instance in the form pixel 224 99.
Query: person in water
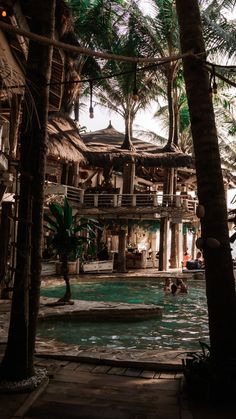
pixel 181 286
pixel 174 289
pixel 178 287
pixel 167 286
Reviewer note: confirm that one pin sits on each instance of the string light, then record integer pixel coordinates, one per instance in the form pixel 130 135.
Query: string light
pixel 6 11
pixel 213 85
pixel 135 89
pixel 91 113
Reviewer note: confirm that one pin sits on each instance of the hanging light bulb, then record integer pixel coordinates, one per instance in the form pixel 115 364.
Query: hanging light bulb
pixel 135 95
pixel 91 112
pixel 214 85
pixel 135 89
pixel 6 11
pixel 210 87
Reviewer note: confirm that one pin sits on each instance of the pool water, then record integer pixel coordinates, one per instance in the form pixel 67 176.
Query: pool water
pixel 184 320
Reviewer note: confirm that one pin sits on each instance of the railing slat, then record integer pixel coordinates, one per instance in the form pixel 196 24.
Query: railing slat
pixel 80 198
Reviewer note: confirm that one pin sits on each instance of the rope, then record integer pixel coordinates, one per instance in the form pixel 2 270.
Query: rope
pixel 88 52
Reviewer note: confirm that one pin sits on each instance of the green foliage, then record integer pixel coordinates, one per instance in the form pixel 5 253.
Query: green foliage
pixel 208 378
pixel 149 225
pixel 66 229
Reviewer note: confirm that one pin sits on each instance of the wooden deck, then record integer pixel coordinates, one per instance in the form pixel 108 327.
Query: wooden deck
pixel 149 205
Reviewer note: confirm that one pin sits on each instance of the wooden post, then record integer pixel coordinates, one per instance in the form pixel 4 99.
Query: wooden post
pixel 121 262
pixel 166 253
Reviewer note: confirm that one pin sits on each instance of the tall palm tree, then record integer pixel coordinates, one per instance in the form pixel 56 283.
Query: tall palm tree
pixel 97 26
pixel 18 362
pixel 220 286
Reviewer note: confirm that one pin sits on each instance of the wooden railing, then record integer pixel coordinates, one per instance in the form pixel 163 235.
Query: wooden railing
pixel 79 198
pixel 104 200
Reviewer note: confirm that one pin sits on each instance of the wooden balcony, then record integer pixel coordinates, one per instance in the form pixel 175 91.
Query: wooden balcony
pixel 150 205
pixel 142 205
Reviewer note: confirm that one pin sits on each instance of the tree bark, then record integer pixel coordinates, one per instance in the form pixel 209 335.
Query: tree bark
pixel 127 143
pixel 220 284
pixel 4 244
pixel 18 359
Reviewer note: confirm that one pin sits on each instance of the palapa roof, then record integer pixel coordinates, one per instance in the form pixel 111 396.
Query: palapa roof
pixel 64 141
pixel 104 147
pixel 94 149
pixel 111 137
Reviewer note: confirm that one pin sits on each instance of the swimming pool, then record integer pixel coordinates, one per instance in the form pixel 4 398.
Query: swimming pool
pixel 184 321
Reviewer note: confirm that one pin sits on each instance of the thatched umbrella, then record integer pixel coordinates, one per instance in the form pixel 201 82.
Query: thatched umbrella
pixel 104 147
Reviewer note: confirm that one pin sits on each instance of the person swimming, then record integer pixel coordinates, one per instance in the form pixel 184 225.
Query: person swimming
pixel 178 287
pixel 167 286
pixel 181 286
pixel 174 289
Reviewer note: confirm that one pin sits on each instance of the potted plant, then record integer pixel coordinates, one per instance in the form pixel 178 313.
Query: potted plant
pixel 67 239
pixel 207 380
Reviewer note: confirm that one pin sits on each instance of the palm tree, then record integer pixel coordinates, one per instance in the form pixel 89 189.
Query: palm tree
pixel 96 26
pixel 219 32
pixel 220 286
pixel 18 362
pixel 66 238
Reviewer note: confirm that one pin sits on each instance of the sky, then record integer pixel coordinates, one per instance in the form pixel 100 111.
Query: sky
pixel 102 116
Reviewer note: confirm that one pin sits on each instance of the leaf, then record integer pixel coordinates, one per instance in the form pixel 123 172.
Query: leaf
pixel 206 350
pixel 57 212
pixel 68 218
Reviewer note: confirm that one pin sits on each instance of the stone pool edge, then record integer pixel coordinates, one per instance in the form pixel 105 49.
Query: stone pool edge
pixel 96 311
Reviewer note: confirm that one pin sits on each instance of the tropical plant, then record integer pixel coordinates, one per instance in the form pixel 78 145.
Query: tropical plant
pixel 67 238
pixel 135 87
pixel 204 380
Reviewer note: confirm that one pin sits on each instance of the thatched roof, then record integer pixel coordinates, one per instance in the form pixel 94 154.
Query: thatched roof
pixel 63 63
pixel 64 141
pixel 111 137
pixel 101 157
pixel 104 147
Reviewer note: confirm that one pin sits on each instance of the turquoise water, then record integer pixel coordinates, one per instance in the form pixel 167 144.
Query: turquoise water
pixel 183 323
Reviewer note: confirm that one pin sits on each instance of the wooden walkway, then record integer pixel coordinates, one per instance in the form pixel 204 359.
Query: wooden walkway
pixel 89 391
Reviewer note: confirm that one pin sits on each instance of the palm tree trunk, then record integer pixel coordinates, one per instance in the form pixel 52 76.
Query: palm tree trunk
pixel 170 83
pixel 220 286
pixel 64 268
pixel 4 244
pixel 127 143
pixel 18 359
pixel 121 261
